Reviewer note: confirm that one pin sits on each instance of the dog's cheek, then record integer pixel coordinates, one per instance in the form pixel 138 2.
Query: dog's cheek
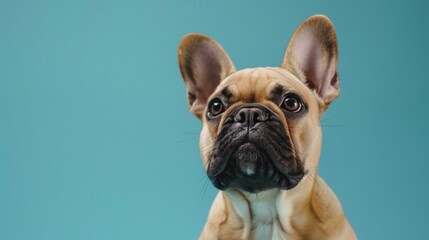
pixel 307 142
pixel 206 145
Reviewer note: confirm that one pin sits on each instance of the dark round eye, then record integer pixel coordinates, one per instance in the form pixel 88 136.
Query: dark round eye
pixel 292 103
pixel 216 107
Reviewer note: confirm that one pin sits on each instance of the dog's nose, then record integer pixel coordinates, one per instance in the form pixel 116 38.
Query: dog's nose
pixel 250 116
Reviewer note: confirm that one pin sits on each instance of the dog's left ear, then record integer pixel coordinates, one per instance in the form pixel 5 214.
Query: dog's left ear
pixel 312 55
pixel 203 64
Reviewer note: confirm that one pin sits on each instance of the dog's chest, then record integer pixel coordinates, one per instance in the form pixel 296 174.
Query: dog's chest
pixel 265 221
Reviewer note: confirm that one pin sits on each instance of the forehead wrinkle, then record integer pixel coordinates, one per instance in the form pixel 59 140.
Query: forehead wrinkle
pixel 246 84
pixel 260 80
pixel 254 84
pixel 255 80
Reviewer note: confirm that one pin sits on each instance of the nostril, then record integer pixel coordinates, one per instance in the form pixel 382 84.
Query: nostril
pixel 240 117
pixel 259 116
pixel 256 117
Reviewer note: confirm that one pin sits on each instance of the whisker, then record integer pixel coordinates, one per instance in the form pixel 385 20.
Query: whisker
pixel 191 133
pixel 327 118
pixel 204 188
pixel 332 125
pixel 185 140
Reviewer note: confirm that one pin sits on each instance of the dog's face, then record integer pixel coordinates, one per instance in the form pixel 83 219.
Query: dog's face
pixel 261 126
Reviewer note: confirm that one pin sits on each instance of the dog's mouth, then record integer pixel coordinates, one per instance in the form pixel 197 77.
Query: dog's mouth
pixel 250 168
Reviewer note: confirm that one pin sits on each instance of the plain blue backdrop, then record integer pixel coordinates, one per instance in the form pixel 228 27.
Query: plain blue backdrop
pixel 96 141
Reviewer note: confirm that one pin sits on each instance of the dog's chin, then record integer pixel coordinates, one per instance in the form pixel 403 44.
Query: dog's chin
pixel 250 169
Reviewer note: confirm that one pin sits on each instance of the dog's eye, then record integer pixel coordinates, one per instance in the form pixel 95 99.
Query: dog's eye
pixel 215 108
pixel 291 103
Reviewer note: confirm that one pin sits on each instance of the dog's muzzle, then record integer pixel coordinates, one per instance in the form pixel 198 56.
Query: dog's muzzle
pixel 253 152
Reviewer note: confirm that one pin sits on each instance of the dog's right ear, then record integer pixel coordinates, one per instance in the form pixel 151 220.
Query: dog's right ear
pixel 203 64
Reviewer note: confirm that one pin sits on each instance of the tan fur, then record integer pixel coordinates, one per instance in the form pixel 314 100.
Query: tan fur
pixel 308 211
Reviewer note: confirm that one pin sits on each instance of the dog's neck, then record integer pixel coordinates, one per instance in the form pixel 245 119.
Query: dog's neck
pixel 280 214
pixel 259 213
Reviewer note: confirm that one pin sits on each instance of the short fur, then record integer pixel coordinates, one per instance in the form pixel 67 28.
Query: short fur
pixel 309 210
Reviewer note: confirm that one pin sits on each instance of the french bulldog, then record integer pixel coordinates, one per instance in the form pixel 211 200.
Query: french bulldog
pixel 261 137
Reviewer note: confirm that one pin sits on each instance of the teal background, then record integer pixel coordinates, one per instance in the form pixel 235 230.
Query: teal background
pixel 96 141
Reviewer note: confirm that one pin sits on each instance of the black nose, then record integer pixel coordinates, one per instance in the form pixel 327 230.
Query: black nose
pixel 250 116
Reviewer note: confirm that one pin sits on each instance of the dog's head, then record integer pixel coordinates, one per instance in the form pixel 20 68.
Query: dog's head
pixel 261 126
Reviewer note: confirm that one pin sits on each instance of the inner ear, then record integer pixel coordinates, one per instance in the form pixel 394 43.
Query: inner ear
pixel 312 55
pixel 203 64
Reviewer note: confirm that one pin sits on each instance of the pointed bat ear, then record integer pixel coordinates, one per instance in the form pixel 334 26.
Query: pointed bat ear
pixel 312 55
pixel 203 64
